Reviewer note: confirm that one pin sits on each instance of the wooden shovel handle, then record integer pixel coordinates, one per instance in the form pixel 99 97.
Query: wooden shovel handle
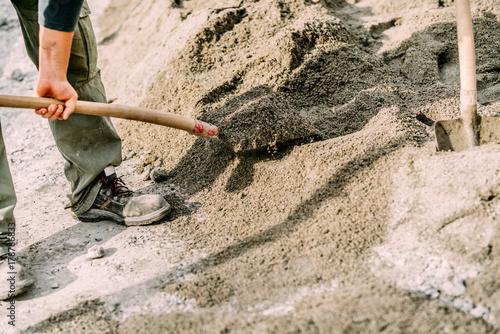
pixel 466 53
pixel 172 120
pixel 467 60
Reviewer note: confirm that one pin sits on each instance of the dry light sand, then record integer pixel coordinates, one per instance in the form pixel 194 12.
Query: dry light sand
pixel 359 227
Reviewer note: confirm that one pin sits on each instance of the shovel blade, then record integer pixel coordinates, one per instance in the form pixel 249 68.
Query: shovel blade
pixel 451 134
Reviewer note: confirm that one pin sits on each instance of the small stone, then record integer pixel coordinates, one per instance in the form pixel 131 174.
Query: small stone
pixel 148 158
pixel 54 285
pixel 478 311
pixel 98 239
pixel 146 175
pixel 464 305
pixel 128 154
pixel 95 252
pixel 17 75
pixel 139 169
pixel 159 175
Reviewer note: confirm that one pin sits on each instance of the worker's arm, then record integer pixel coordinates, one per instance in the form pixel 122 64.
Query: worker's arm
pixel 55 49
pixel 57 26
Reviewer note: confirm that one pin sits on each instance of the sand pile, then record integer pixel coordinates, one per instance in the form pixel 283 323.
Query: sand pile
pixel 363 229
pixel 260 119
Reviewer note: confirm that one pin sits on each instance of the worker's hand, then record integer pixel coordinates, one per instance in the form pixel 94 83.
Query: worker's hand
pixel 60 90
pixel 54 53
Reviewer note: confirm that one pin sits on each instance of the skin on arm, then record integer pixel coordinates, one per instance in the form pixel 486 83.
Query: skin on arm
pixel 55 50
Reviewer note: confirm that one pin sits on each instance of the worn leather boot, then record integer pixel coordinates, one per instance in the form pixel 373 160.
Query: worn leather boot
pixel 13 278
pixel 117 203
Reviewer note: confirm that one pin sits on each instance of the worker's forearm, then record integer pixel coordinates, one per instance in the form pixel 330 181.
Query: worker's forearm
pixel 57 20
pixel 55 50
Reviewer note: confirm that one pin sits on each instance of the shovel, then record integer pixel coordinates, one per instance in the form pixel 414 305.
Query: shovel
pixel 470 130
pixel 249 123
pixel 172 120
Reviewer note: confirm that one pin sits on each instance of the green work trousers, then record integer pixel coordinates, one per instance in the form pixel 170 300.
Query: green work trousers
pixel 87 143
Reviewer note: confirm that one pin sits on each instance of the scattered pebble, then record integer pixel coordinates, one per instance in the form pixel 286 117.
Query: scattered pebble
pixel 17 75
pixel 478 311
pixel 146 175
pixel 95 252
pixel 159 175
pixel 55 285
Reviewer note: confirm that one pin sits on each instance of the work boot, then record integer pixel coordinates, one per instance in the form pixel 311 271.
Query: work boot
pixel 13 278
pixel 117 203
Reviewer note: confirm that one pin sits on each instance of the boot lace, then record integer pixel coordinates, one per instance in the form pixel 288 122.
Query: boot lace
pixel 117 188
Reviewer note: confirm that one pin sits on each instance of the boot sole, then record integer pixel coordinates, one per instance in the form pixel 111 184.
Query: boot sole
pixel 21 287
pixel 95 215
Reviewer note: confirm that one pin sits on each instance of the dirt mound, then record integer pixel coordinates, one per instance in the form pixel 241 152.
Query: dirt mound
pixel 313 214
pixel 365 228
pixel 260 119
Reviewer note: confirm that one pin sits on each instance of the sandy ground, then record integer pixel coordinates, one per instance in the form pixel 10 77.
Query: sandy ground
pixel 365 228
